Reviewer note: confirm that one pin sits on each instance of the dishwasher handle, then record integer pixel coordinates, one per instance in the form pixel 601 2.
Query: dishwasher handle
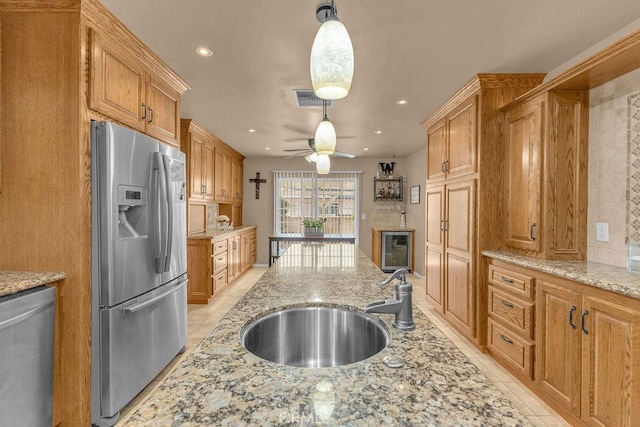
pixel 24 316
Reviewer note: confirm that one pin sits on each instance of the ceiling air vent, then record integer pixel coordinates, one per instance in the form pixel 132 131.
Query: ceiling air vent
pixel 306 98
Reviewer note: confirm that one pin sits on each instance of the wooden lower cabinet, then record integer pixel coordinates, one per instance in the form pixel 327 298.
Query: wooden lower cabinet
pixel 586 343
pixel 213 264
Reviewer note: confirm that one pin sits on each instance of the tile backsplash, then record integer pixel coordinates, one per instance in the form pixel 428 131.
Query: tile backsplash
pixel 614 167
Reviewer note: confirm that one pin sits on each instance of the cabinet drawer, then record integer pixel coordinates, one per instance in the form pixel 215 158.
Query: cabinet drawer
pixel 512 311
pixel 507 345
pixel 219 280
pixel 219 246
pixel 219 262
pixel 516 283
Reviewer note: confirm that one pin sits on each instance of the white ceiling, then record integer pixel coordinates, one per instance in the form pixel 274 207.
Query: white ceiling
pixel 419 50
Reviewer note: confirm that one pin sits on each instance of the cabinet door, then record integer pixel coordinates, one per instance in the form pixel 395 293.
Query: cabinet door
pixel 163 111
pixel 117 82
pixel 610 364
pixel 523 135
pixel 436 150
pixel 196 154
pixel 458 253
pixel 236 181
pixel 434 251
pixel 558 344
pixel 208 159
pixel 461 130
pixel 222 175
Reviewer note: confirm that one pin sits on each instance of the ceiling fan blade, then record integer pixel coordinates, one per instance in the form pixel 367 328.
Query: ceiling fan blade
pixel 298 149
pixel 342 154
pixel 305 153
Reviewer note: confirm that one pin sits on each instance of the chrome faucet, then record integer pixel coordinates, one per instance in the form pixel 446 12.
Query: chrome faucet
pixel 400 305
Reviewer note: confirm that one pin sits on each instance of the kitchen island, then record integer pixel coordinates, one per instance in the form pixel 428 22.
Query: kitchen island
pixel 220 383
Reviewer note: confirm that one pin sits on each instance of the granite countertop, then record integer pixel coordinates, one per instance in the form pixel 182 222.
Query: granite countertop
pixel 220 383
pixel 12 282
pixel 391 229
pixel 603 276
pixel 213 233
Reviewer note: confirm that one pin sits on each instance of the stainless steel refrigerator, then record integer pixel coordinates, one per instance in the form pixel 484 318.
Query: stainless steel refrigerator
pixel 139 264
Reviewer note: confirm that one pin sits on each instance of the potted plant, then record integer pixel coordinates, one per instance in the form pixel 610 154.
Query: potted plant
pixel 313 227
pixel 224 223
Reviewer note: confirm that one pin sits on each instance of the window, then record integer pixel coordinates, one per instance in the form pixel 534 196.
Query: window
pixel 334 198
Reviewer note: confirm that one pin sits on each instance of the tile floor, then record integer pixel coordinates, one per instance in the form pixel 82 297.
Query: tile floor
pixel 202 318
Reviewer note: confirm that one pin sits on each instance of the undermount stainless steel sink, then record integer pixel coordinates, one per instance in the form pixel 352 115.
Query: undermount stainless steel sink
pixel 315 337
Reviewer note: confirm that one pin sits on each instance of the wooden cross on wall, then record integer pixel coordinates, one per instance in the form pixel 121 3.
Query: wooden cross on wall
pixel 257 181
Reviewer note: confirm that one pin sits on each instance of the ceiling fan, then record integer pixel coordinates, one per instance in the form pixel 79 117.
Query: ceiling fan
pixel 312 150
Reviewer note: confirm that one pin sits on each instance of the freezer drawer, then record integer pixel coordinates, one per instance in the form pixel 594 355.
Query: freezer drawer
pixel 26 358
pixel 138 339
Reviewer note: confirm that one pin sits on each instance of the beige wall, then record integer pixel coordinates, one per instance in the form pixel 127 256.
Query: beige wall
pixel 260 212
pixel 417 175
pixel 610 134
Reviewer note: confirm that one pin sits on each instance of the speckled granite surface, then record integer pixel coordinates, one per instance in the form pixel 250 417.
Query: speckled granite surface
pixel 16 281
pixel 609 277
pixel 212 233
pixel 221 384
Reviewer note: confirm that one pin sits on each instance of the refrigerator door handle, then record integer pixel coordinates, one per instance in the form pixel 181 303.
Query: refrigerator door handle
pixel 160 212
pixel 169 229
pixel 139 306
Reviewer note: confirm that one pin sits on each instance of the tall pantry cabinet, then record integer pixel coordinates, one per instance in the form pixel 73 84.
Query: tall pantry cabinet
pixel 464 166
pixel 65 62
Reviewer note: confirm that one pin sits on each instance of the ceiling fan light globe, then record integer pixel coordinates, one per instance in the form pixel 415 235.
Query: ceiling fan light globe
pixel 325 138
pixel 332 63
pixel 323 164
pixel 313 157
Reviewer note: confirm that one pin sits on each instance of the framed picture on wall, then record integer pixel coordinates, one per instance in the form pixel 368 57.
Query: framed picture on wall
pixel 415 195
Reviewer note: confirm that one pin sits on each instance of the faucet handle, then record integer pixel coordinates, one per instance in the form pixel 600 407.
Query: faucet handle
pixel 398 274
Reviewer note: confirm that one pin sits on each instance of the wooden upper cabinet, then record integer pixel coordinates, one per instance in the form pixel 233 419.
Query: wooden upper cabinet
pixel 163 110
pixel 131 92
pixel 198 144
pixel 461 131
pixel 523 137
pixel 546 153
pixel 117 82
pixel 222 176
pixel 436 153
pixel 236 179
pixel 451 143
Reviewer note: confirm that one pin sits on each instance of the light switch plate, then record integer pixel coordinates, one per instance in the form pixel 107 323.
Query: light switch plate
pixel 602 232
pixel 364 216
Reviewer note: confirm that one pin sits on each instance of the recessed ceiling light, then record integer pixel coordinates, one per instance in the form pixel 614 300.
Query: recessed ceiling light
pixel 401 101
pixel 267 148
pixel 377 132
pixel 203 51
pixel 252 130
pixel 365 149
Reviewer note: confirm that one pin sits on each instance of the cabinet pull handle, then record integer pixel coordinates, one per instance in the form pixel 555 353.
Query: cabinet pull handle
pixel 573 308
pixel 534 225
pixel 505 339
pixel 144 111
pixel 446 166
pixel 446 225
pixel 584 314
pixel 221 258
pixel 506 304
pixel 505 279
pixel 442 168
pixel 150 114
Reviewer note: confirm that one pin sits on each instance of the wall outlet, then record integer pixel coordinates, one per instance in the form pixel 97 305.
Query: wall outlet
pixel 602 232
pixel 363 216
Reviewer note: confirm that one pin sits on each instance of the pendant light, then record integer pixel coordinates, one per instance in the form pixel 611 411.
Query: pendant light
pixel 323 164
pixel 325 138
pixel 331 56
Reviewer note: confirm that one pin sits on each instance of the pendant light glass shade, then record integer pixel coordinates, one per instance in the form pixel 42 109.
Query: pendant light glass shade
pixel 325 138
pixel 332 60
pixel 323 164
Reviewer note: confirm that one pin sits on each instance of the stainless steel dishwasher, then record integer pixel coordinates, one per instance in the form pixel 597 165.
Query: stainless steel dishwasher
pixel 26 358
